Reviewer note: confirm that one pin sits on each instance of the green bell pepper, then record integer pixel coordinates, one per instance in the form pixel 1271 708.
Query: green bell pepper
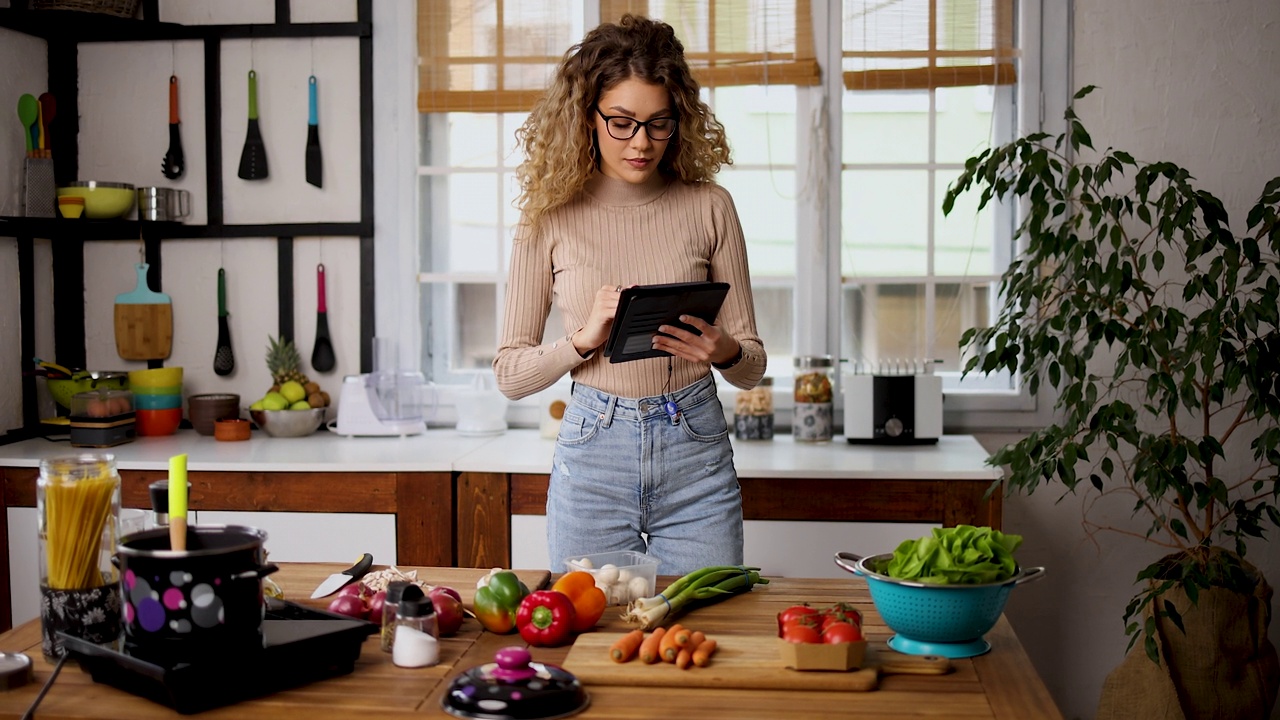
pixel 496 604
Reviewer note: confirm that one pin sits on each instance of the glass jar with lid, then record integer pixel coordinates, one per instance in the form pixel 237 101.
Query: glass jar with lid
pixel 78 516
pixel 814 376
pixel 753 412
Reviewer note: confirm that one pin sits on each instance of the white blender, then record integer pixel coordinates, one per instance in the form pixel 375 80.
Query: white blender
pixel 385 402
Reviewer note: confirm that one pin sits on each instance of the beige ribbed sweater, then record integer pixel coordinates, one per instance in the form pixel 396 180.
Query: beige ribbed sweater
pixel 617 233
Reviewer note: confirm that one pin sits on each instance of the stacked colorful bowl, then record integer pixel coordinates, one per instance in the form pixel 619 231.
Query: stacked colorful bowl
pixel 157 399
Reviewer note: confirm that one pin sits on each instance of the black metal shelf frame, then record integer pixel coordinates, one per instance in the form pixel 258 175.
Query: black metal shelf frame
pixel 63 31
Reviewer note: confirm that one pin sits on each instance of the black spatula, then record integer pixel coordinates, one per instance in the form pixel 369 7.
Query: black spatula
pixel 322 356
pixel 224 361
pixel 314 161
pixel 253 159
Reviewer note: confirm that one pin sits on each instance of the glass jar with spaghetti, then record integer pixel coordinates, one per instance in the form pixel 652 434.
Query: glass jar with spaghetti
pixel 813 399
pixel 78 517
pixel 753 412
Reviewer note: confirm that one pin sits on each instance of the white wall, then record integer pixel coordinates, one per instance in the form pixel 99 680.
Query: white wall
pixel 1192 81
pixel 1196 82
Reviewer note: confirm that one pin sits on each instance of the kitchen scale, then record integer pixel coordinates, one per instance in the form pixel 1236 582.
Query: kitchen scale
pixel 300 646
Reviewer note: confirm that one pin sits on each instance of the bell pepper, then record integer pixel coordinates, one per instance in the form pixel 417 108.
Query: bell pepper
pixel 545 618
pixel 588 600
pixel 496 603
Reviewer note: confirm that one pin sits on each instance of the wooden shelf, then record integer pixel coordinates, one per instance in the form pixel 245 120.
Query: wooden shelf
pixel 90 230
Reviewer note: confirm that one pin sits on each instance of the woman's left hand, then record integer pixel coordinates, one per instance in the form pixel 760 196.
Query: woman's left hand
pixel 711 346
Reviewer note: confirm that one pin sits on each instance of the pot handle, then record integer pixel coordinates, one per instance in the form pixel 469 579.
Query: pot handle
pixel 256 573
pixel 1029 574
pixel 849 561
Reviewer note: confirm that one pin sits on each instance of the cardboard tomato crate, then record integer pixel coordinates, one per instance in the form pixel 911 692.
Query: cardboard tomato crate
pixel 822 656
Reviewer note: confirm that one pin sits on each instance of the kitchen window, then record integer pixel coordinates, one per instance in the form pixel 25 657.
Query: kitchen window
pixel 844 139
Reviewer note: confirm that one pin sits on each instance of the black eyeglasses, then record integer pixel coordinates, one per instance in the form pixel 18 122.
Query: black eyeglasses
pixel 621 127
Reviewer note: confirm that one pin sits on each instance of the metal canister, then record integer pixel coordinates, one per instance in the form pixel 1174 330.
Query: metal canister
pixel 814 376
pixel 753 412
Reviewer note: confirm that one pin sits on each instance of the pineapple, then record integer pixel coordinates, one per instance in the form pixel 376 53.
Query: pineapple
pixel 283 362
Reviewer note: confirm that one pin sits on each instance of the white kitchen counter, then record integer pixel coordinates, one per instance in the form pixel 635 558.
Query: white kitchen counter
pixel 955 457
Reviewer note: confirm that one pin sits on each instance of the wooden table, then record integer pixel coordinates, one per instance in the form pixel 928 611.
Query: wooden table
pixel 1000 684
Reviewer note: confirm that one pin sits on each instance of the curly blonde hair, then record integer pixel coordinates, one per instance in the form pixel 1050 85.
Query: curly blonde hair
pixel 558 142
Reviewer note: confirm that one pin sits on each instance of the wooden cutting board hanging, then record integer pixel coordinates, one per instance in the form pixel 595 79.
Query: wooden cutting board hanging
pixel 144 321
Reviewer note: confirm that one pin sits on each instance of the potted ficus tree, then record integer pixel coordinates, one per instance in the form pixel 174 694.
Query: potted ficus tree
pixel 1155 323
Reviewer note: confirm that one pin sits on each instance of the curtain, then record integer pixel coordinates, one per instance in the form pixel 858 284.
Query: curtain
pixel 925 44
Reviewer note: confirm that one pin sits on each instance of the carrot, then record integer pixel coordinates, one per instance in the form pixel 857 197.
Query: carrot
pixel 682 637
pixel 684 658
pixel 667 649
pixel 695 640
pixel 626 646
pixel 649 648
pixel 702 656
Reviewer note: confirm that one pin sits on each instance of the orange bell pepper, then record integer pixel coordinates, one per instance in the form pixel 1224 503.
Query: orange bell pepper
pixel 588 600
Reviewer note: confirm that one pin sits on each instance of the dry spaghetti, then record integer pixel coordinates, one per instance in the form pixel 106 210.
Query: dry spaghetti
pixel 78 502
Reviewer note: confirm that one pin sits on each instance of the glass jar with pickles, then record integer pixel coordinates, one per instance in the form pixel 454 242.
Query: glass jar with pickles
pixel 814 375
pixel 753 412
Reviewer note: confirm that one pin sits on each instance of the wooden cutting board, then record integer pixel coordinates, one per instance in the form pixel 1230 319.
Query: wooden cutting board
pixel 741 662
pixel 143 321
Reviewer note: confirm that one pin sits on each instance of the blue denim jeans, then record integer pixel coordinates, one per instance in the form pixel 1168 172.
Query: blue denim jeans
pixel 624 472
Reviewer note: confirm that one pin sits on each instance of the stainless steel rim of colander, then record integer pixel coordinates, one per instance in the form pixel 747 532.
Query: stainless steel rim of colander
pixel 864 566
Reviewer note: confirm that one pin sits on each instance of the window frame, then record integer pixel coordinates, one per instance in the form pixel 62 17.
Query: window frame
pixel 1043 93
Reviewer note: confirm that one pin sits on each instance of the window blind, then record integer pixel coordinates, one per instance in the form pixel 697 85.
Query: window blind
pixel 925 44
pixel 498 55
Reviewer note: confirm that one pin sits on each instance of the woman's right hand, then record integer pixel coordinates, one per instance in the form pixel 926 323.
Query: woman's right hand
pixel 600 321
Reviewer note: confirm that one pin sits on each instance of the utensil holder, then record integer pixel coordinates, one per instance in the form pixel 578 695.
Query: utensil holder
pixel 39 191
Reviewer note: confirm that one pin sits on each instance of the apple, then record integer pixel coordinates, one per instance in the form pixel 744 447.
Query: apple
pixel 448 611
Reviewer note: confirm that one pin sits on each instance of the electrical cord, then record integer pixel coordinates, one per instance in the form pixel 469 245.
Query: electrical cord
pixel 31 711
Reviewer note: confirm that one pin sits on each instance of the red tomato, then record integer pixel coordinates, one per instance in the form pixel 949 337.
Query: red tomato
pixel 841 612
pixel 798 632
pixel 841 632
pixel 796 613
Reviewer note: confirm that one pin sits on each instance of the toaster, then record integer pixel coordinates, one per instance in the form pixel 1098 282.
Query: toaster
pixel 892 409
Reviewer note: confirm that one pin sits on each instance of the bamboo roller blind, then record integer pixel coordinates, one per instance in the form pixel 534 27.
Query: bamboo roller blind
pixel 924 44
pixel 498 55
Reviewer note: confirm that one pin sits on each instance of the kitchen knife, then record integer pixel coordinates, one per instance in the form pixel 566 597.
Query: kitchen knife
pixel 336 581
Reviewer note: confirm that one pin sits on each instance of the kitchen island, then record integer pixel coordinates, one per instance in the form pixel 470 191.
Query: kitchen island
pixel 1000 684
pixel 452 497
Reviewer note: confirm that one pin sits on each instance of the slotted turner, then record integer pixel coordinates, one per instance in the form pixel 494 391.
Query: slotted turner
pixel 224 361
pixel 253 158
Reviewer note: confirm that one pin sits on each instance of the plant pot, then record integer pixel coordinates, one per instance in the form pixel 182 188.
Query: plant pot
pixel 1223 666
pixel 207 599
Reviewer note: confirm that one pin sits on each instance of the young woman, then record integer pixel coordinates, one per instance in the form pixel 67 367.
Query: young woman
pixel 617 191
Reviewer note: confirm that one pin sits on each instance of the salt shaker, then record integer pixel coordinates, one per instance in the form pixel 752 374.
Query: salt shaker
pixel 416 642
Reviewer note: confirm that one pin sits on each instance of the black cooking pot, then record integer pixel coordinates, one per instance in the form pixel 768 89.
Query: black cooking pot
pixel 205 599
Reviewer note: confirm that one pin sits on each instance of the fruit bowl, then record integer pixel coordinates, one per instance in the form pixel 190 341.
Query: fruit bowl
pixel 288 423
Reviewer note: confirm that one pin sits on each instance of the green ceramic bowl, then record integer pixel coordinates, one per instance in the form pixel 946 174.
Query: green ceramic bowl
pixel 102 200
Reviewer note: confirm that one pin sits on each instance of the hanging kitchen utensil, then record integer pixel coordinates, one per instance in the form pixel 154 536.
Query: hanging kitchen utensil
pixel 314 160
pixel 143 321
pixel 253 159
pixel 322 355
pixel 48 111
pixel 28 113
pixel 224 361
pixel 174 162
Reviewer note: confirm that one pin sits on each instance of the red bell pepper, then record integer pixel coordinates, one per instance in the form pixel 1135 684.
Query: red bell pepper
pixel 545 618
pixel 588 600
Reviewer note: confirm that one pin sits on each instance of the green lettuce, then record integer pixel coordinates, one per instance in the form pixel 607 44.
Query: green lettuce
pixel 961 555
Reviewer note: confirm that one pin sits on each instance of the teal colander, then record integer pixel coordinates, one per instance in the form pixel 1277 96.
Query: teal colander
pixel 928 619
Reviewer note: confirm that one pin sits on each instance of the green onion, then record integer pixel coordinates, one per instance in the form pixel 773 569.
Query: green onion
pixel 706 585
